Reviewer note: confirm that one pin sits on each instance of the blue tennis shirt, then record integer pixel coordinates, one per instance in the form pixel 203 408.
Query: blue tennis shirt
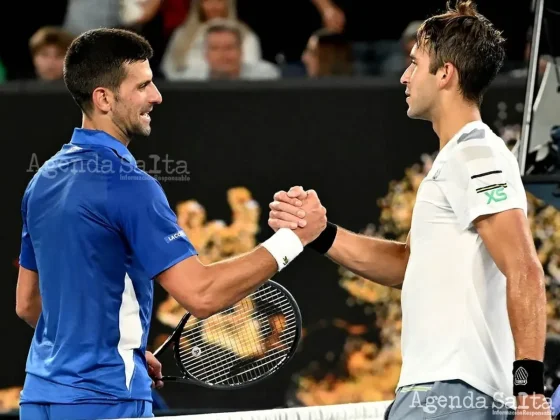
pixel 98 230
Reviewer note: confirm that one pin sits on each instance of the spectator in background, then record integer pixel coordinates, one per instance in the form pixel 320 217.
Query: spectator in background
pixel 187 46
pixel 224 57
pixel 398 61
pixel 83 15
pixel 328 54
pixel 48 47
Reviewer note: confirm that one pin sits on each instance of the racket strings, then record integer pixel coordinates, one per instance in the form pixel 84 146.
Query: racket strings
pixel 231 360
pixel 193 333
pixel 220 351
pixel 192 340
pixel 234 351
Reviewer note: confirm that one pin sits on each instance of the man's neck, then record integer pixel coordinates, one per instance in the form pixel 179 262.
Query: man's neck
pixel 451 119
pixel 107 127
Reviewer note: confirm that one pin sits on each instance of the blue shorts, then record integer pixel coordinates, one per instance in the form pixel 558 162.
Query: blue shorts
pixel 124 410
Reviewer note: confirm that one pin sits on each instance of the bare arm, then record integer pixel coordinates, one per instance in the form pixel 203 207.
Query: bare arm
pixel 28 298
pixel 149 10
pixel 206 289
pixel 378 260
pixel 508 240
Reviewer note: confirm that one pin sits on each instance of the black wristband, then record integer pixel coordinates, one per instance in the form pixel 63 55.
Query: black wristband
pixel 325 240
pixel 528 377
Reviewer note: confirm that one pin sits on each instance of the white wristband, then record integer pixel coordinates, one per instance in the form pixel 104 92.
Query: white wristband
pixel 284 246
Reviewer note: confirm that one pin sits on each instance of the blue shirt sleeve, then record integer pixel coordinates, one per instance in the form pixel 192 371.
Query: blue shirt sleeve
pixel 27 253
pixel 148 224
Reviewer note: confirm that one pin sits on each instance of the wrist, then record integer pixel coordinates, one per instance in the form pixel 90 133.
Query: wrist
pixel 325 240
pixel 284 246
pixel 528 377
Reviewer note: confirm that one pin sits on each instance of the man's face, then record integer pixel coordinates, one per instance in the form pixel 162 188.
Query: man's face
pixel 224 54
pixel 136 97
pixel 49 62
pixel 421 85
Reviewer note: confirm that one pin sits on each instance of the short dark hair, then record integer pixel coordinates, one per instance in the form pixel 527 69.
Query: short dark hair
pixel 469 41
pixel 97 57
pixel 224 25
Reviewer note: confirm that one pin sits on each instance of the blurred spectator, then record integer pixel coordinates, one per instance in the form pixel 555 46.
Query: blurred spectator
pixel 522 70
pixel 83 15
pixel 328 54
pixel 48 47
pixel 174 13
pixel 187 47
pixel 397 61
pixel 224 57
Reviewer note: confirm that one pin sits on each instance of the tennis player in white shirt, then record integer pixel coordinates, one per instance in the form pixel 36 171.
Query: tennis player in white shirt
pixel 473 293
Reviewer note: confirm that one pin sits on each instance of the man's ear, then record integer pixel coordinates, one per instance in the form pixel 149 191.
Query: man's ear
pixel 446 74
pixel 103 99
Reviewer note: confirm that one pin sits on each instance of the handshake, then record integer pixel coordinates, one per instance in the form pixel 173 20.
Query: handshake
pixel 300 211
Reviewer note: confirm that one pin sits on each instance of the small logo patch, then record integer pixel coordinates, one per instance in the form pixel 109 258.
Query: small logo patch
pixel 196 352
pixel 520 377
pixel 285 260
pixel 176 235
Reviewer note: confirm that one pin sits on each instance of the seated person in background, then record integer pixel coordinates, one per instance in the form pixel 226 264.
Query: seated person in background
pixel 187 47
pixel 224 57
pixel 328 54
pixel 399 60
pixel 48 47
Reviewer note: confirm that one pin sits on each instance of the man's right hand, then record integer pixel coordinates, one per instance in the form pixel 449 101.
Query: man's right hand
pixel 299 210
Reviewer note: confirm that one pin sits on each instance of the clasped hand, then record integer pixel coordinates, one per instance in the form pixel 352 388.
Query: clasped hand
pixel 300 211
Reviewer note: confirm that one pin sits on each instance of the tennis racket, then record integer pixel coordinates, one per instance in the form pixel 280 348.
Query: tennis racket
pixel 240 345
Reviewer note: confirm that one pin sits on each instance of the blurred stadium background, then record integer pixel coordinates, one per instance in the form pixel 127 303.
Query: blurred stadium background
pixel 310 96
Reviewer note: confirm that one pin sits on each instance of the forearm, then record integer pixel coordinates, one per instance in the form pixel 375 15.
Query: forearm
pixel 234 279
pixel 379 260
pixel 321 5
pixel 32 311
pixel 526 304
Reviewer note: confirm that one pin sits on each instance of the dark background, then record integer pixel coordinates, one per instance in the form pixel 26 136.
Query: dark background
pixel 346 140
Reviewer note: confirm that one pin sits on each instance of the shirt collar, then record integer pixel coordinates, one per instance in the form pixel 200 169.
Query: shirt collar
pixel 465 129
pixel 101 138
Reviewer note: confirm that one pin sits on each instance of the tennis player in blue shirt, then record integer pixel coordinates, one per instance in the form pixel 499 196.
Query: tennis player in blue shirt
pixel 97 231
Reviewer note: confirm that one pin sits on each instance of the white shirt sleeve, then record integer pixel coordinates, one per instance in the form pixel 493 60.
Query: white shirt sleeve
pixel 480 179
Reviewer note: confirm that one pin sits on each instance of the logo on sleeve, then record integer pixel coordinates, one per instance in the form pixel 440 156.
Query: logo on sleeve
pixel 495 193
pixel 176 235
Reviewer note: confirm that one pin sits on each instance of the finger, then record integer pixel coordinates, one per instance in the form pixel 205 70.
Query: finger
pixel 283 196
pixel 287 208
pixel 153 384
pixel 312 195
pixel 287 218
pixel 297 192
pixel 159 384
pixel 280 224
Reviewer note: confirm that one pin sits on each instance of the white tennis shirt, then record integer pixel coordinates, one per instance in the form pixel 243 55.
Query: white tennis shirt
pixel 455 320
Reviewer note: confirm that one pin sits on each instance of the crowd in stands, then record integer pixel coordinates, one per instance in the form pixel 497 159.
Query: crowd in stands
pixel 209 39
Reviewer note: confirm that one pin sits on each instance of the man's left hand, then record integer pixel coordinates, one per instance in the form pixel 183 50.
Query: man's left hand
pixel 154 370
